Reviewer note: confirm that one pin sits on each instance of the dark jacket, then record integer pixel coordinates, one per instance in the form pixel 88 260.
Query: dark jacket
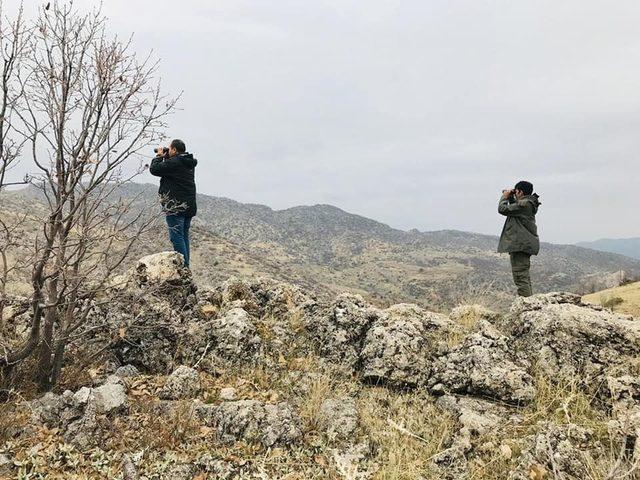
pixel 177 183
pixel 520 233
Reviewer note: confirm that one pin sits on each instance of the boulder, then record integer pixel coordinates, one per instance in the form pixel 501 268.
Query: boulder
pixel 111 397
pixel 48 409
pixel 483 365
pixel 564 337
pixel 76 414
pixel 339 417
pixel 161 274
pixel 183 383
pixel 86 431
pixel 236 335
pixel 400 344
pixel 339 330
pixel 164 268
pixel 475 415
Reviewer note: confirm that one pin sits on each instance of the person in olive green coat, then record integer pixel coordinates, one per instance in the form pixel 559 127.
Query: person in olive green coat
pixel 520 234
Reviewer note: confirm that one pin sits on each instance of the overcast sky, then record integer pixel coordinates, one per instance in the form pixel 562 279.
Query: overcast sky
pixel 412 112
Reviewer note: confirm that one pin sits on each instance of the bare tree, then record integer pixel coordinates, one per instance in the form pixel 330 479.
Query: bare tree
pixel 14 48
pixel 91 108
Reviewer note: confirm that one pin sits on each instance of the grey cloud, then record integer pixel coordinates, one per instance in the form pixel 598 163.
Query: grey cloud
pixel 416 113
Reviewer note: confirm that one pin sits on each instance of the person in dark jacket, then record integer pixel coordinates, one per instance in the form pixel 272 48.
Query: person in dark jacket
pixel 176 169
pixel 520 234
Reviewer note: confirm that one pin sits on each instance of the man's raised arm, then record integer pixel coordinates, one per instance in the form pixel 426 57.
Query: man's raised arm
pixel 161 166
pixel 507 207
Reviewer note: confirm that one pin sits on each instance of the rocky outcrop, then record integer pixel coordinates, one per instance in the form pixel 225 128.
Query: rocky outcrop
pixel 146 314
pixel 564 337
pixel 340 329
pixel 483 366
pixel 252 421
pixel 339 417
pixel 230 339
pixel 76 414
pixel 401 343
pixel 260 298
pixel 558 451
pixel 479 365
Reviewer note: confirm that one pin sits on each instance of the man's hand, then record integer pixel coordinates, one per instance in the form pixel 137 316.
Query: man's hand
pixel 160 151
pixel 506 193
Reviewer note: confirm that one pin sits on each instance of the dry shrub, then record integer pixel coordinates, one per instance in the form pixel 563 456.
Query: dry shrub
pixel 611 301
pixel 168 430
pixel 319 390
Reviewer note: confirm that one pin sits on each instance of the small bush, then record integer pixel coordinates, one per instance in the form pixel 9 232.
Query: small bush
pixel 611 302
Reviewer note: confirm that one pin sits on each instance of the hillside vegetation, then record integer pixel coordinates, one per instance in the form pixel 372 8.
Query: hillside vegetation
pixel 624 299
pixel 328 250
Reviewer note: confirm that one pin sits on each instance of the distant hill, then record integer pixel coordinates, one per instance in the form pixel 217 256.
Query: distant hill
pixel 624 299
pixel 328 250
pixel 624 246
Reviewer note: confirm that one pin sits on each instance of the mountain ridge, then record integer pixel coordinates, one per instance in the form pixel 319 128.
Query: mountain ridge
pixel 629 247
pixel 328 249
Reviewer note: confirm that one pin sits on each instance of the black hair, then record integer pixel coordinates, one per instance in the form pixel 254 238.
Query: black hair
pixel 525 187
pixel 178 145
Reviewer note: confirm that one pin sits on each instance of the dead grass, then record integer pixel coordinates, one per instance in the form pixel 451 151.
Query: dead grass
pixel 168 430
pixel 404 430
pixel 466 317
pixel 624 299
pixel 408 431
pixel 560 402
pixel 320 389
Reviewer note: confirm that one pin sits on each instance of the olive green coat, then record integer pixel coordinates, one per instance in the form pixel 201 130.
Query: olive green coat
pixel 520 233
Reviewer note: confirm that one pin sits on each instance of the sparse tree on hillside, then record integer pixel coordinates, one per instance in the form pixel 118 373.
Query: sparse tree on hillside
pixel 14 48
pixel 90 108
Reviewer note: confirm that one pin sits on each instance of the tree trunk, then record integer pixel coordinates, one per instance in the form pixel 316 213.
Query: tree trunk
pixel 45 354
pixel 58 360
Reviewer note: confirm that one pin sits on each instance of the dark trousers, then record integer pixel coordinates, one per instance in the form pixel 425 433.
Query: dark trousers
pixel 179 234
pixel 520 266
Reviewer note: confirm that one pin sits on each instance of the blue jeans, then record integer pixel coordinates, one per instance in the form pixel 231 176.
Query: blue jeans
pixel 179 235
